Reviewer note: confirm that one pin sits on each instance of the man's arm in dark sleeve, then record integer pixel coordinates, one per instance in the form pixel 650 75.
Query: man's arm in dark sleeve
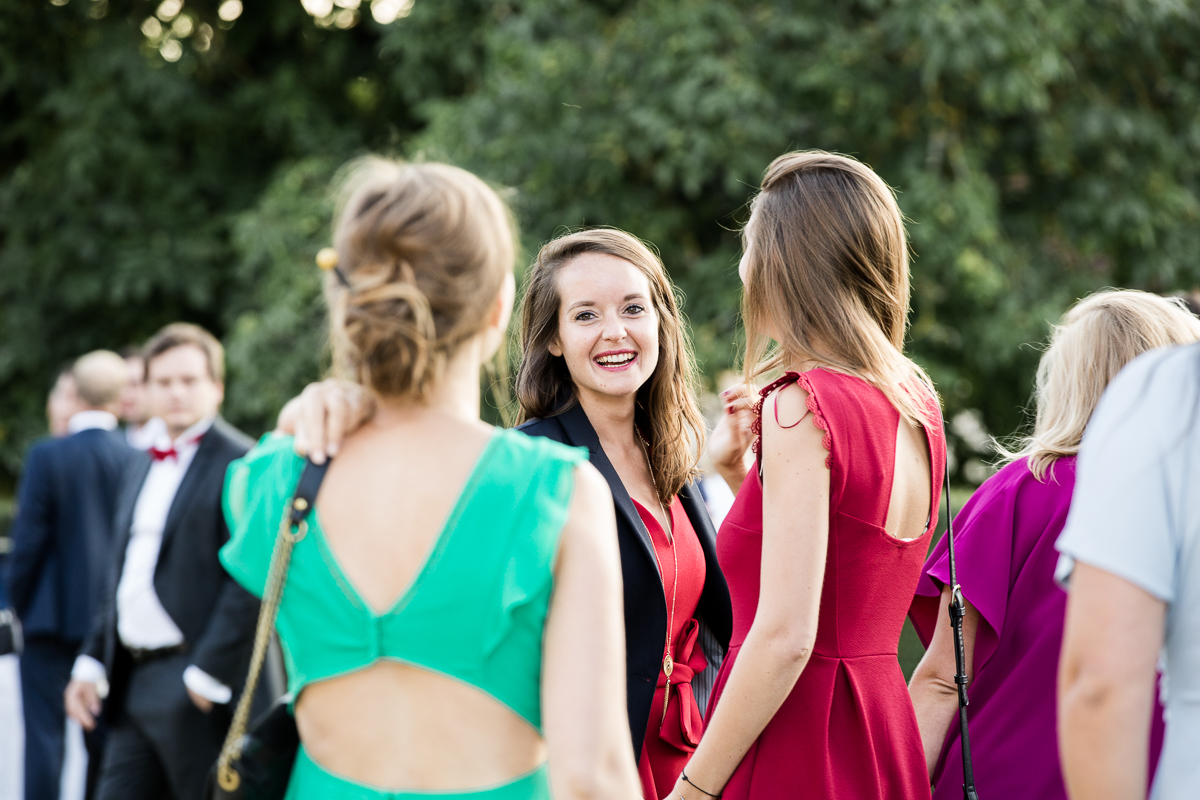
pixel 32 537
pixel 222 650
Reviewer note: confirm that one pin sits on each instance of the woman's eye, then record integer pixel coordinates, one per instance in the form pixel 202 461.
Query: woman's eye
pixel 584 316
pixel 634 309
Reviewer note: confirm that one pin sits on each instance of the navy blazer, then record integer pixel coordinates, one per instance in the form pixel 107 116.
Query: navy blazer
pixel 63 533
pixel 216 616
pixel 645 605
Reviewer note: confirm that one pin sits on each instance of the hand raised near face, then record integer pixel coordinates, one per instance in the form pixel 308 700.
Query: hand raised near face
pixel 729 444
pixel 324 415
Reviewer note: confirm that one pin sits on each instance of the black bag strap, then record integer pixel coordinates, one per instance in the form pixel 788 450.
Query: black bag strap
pixel 958 610
pixel 292 528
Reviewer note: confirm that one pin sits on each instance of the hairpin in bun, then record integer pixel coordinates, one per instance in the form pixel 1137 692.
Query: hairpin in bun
pixel 327 259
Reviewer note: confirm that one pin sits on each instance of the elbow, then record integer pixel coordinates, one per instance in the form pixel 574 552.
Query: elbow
pixel 928 681
pixel 797 650
pixel 590 779
pixel 579 785
pixel 1086 696
pixel 792 645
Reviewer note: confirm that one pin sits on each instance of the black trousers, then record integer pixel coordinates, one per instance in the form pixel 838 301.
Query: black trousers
pixel 45 666
pixel 160 746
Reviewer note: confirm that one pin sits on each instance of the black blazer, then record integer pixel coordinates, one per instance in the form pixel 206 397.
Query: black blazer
pixel 216 616
pixel 645 605
pixel 62 536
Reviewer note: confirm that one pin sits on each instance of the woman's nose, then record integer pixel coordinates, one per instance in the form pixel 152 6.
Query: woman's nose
pixel 614 331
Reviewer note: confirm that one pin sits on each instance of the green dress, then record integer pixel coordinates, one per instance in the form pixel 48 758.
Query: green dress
pixel 475 611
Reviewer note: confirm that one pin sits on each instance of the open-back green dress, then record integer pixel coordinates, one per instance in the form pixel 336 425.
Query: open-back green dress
pixel 475 611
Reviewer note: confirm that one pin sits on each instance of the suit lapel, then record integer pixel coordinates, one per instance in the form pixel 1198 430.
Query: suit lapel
pixel 580 432
pixel 131 488
pixel 192 479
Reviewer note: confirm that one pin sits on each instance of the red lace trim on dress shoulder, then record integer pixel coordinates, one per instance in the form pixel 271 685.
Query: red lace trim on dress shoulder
pixel 801 379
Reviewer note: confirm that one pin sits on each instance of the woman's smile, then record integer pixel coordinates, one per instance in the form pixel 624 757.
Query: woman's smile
pixel 616 360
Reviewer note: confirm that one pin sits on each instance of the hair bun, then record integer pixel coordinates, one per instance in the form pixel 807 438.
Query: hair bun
pixel 426 248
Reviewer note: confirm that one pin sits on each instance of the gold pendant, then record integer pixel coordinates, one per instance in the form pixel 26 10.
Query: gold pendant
pixel 668 665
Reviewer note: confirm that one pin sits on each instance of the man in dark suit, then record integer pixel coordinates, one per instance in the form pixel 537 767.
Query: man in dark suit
pixel 172 644
pixel 62 539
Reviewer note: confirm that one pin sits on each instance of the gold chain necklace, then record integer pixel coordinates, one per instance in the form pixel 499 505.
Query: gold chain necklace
pixel 668 664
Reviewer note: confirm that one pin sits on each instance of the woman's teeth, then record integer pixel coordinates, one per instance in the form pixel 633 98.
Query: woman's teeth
pixel 616 360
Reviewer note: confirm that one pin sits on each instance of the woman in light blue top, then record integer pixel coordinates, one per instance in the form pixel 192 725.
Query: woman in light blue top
pixel 1131 553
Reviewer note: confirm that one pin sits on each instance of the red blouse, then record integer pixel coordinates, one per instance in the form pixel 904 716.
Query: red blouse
pixel 671 737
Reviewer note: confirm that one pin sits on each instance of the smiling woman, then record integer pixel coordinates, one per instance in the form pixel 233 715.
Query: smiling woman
pixel 606 365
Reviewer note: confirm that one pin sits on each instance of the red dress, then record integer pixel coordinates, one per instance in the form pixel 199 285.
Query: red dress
pixel 847 731
pixel 671 738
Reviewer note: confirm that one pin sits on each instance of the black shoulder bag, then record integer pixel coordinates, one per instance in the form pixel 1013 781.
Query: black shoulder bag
pixel 256 764
pixel 957 611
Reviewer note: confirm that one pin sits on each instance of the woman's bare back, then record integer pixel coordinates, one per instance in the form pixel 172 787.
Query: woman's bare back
pixel 909 513
pixel 382 507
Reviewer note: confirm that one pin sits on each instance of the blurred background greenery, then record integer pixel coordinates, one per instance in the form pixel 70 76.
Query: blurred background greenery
pixel 172 160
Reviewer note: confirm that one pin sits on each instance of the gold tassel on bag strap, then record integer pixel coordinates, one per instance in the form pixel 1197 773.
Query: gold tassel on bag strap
pixel 292 529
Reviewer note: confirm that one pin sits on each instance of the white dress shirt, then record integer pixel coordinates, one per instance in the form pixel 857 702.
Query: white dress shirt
pixel 146 435
pixel 90 419
pixel 142 622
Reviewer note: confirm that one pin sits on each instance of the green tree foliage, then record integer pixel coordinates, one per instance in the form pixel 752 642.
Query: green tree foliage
pixel 1040 150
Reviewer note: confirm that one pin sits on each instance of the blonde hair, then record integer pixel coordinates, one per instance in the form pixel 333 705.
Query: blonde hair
pixel 1096 338
pixel 827 277
pixel 99 378
pixel 667 410
pixel 425 249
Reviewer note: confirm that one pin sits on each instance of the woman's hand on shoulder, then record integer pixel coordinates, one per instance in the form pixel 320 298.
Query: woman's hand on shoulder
pixel 729 444
pixel 324 415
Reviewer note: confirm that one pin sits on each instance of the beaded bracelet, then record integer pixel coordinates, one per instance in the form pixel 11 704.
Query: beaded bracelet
pixel 688 781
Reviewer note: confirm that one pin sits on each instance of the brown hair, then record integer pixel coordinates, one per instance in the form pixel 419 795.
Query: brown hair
pixel 425 248
pixel 1099 335
pixel 667 411
pixel 179 334
pixel 827 277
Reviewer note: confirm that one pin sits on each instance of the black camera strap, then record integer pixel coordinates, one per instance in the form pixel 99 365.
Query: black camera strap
pixel 958 610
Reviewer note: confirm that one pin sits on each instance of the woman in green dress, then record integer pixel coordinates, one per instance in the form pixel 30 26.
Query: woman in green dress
pixel 459 585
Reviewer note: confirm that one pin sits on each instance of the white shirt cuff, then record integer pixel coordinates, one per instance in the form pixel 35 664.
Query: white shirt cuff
pixel 206 685
pixel 89 670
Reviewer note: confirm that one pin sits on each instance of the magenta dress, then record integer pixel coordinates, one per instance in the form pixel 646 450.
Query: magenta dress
pixel 847 730
pixel 1005 558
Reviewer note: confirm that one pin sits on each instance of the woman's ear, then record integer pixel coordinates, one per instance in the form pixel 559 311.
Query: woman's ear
pixel 555 348
pixel 492 336
pixel 503 307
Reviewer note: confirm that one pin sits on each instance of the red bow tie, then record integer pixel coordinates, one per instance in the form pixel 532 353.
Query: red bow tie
pixel 161 454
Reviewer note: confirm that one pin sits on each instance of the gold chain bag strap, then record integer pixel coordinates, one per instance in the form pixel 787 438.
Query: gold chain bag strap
pixel 257 763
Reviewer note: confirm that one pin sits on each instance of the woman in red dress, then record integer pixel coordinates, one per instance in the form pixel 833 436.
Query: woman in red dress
pixel 824 545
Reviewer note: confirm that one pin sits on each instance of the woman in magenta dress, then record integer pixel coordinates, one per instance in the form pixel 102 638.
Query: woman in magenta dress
pixel 1004 550
pixel 824 545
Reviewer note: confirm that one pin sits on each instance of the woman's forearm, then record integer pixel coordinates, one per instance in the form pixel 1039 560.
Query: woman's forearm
pixel 935 702
pixel 932 689
pixel 733 474
pixel 1106 683
pixel 765 672
pixel 1104 738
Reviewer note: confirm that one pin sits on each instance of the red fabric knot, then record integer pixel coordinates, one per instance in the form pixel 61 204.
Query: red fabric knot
pixel 683 725
pixel 160 454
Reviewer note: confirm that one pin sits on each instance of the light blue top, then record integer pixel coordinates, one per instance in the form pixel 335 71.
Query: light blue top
pixel 1136 514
